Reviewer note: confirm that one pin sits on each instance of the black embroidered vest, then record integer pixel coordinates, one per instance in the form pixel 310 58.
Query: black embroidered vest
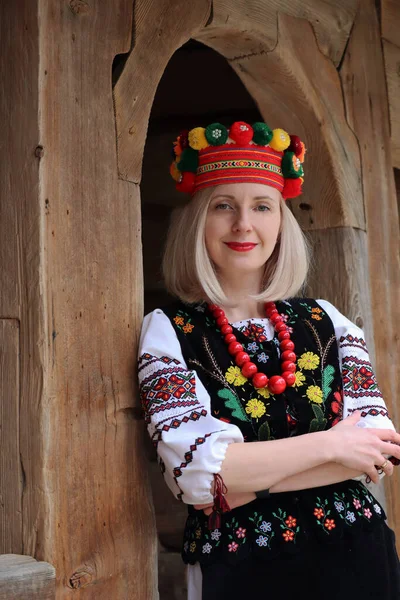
pixel 285 521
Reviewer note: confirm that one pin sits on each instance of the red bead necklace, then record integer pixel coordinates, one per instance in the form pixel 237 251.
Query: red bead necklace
pixel 277 383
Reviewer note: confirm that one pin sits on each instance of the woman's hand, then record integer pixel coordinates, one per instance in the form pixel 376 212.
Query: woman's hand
pixel 234 500
pixel 364 449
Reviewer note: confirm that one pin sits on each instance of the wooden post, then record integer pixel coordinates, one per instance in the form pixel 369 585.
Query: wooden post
pixel 364 88
pixel 75 491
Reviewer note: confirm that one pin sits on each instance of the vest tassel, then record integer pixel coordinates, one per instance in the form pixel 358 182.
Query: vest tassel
pixel 220 505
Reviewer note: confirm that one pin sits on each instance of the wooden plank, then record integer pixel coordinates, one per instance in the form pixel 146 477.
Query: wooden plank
pixel 363 80
pixel 20 296
pixel 392 68
pixel 24 578
pixel 160 28
pixel 390 21
pixel 11 474
pixel 100 533
pixel 301 92
pixel 331 20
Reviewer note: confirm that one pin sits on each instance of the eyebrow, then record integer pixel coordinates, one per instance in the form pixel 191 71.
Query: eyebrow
pixel 233 197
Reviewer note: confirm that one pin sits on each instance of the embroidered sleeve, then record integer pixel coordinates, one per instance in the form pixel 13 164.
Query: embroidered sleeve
pixel 189 441
pixel 360 388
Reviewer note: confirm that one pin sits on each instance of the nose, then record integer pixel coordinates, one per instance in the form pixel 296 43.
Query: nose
pixel 242 221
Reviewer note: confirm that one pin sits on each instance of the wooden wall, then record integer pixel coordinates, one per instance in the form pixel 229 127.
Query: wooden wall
pixel 74 471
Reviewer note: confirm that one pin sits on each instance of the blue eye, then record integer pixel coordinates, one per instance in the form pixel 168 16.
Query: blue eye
pixel 263 208
pixel 222 206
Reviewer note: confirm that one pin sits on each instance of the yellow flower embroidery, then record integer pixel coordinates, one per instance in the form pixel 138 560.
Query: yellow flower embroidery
pixel 308 361
pixel 198 532
pixel 314 393
pixel 300 379
pixel 179 320
pixel 316 310
pixel 234 375
pixel 255 408
pixel 192 546
pixel 316 317
pixel 264 392
pixel 188 328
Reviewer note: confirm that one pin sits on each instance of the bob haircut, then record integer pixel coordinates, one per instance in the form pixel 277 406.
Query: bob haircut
pixel 190 274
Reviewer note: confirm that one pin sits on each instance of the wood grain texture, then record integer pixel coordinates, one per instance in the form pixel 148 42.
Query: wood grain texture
pixel 100 529
pixel 24 578
pixel 392 68
pixel 301 92
pixel 390 29
pixel 161 26
pixel 363 80
pixel 22 481
pixel 11 473
pixel 331 20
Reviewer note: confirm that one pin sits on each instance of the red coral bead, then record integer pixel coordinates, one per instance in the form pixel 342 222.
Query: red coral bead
pixel 213 307
pixel 218 313
pixel 287 365
pixel 276 318
pixel 289 377
pixel 235 347
pixel 249 369
pixel 222 321
pixel 241 358
pixel 280 326
pixel 288 355
pixel 229 338
pixel 225 329
pixel 286 345
pixel 276 384
pixel 283 335
pixel 271 311
pixel 270 305
pixel 260 380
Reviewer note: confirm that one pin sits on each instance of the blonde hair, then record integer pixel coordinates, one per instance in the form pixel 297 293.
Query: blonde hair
pixel 190 274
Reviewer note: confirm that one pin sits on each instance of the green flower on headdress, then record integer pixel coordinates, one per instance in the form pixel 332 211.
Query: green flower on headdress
pixel 262 134
pixel 189 160
pixel 216 134
pixel 291 166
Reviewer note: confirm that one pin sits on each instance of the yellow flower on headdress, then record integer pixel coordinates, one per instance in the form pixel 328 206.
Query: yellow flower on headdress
pixel 255 408
pixel 308 361
pixel 302 153
pixel 280 140
pixel 314 393
pixel 197 138
pixel 234 375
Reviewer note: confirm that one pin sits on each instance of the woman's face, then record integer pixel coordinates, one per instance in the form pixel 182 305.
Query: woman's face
pixel 242 227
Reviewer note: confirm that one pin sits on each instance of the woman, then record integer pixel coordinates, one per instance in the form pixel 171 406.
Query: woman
pixel 263 406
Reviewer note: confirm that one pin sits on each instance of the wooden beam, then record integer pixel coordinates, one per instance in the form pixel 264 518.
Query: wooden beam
pixel 363 80
pixel 301 91
pixel 24 578
pixel 161 27
pixel 331 21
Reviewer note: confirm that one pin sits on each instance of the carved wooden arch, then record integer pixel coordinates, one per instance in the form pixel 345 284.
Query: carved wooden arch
pixel 298 89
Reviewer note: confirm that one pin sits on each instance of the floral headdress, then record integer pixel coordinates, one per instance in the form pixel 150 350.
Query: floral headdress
pixel 214 155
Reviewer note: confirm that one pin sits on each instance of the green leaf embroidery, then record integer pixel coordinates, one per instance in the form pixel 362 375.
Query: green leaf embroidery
pixel 264 432
pixel 319 423
pixel 232 402
pixel 327 377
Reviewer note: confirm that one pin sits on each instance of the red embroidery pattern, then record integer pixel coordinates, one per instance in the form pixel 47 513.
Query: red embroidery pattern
pixel 358 378
pixel 349 341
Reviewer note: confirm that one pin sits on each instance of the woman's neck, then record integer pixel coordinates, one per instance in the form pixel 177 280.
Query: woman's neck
pixel 247 309
pixel 239 291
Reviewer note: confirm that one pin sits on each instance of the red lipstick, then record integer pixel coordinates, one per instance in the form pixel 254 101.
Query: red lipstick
pixel 240 246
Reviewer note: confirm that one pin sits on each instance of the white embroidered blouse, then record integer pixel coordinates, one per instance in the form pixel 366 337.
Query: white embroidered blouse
pixel 158 339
